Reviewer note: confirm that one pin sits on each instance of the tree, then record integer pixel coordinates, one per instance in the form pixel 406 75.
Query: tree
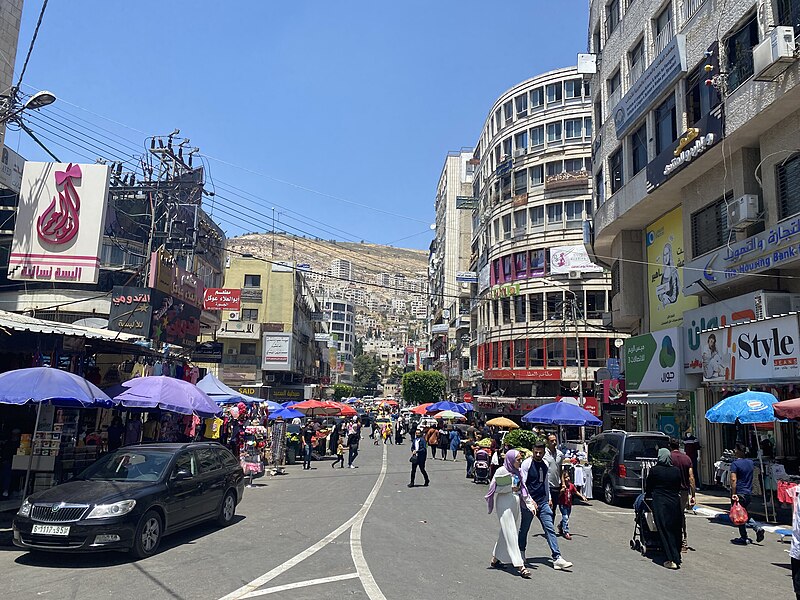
pixel 367 370
pixel 358 350
pixel 342 390
pixel 423 386
pixel 395 374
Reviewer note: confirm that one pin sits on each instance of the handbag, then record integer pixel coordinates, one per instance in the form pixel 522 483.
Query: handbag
pixel 414 459
pixel 738 514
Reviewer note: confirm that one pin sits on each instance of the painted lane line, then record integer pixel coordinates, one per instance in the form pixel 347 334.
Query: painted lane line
pixel 356 549
pixel 299 584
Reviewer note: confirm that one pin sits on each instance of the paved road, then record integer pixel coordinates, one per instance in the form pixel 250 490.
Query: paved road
pixel 363 534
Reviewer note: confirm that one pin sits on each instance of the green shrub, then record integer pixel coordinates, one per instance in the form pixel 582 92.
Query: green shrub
pixel 522 438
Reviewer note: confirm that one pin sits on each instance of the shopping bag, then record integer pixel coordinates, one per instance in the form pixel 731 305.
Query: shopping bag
pixel 738 514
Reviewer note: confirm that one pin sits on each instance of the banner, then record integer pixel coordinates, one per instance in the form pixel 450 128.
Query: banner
pixel 131 310
pixel 166 276
pixel 665 260
pixel 654 361
pixel 174 321
pixel 564 259
pixel 222 299
pixel 60 222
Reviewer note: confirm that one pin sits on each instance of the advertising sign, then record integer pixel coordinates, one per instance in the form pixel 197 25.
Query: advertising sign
pixel 245 330
pixel 60 223
pixel 11 170
pixel 484 281
pixel 523 374
pixel 654 361
pixel 757 351
pixel 614 391
pixel 665 260
pixel 277 352
pixel 174 321
pixel 166 276
pixel 208 352
pixel 222 299
pixel 505 291
pixel 564 259
pixel 440 328
pixel 467 276
pixel 130 310
pixel 537 258
pixel 466 203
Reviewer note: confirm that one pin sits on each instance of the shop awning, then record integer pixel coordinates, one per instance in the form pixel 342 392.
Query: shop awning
pixel 652 398
pixel 13 322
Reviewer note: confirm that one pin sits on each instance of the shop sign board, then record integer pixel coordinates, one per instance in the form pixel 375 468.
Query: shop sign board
pixel 174 321
pixel 60 222
pixel 466 203
pixel 244 330
pixel 167 277
pixel 322 337
pixel 484 280
pixel 11 169
pixel 222 299
pixel 614 391
pixel 254 295
pixel 665 260
pixel 273 327
pixel 505 291
pixel 564 259
pixel 765 350
pixel 283 394
pixel 770 249
pixel 277 352
pixel 440 328
pixel 654 361
pixel 208 352
pixel 467 276
pixel 567 180
pixel 523 374
pixel 131 310
pixel 236 375
pixel 667 68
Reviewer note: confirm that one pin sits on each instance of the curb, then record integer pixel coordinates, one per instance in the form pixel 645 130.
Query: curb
pixel 704 511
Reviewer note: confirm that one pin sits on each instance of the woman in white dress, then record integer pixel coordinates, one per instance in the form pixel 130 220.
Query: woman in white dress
pixel 504 495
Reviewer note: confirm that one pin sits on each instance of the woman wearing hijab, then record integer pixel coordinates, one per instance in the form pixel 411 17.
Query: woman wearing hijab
pixel 444 441
pixel 455 442
pixel 664 485
pixel 504 495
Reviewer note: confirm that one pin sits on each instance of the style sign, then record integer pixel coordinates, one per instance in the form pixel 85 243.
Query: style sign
pixel 564 259
pixel 277 352
pixel 222 299
pixel 130 310
pixel 654 361
pixel 60 222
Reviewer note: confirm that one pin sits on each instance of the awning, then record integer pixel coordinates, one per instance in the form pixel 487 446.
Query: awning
pixel 653 398
pixel 13 322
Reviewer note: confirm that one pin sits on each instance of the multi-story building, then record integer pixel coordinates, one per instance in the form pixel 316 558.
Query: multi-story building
pixel 539 300
pixel 340 317
pixel 10 17
pixel 269 345
pixel 697 171
pixel 449 255
pixel 342 269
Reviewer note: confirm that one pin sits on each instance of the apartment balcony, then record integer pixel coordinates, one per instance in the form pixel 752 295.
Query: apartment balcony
pixel 635 72
pixel 691 7
pixel 663 38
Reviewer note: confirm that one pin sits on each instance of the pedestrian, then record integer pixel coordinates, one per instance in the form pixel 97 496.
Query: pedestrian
pixel 664 485
pixel 533 474
pixel 794 551
pixel 444 441
pixel 399 432
pixel 387 434
pixel 334 439
pixel 432 439
pixel 353 438
pixel 308 440
pixel 554 459
pixel 469 453
pixel 419 453
pixel 742 492
pixel 115 433
pixel 691 445
pixel 339 454
pixel 684 465
pixel 455 441
pixel 504 495
pixel 565 504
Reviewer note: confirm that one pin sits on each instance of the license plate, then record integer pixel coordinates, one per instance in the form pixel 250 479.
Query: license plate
pixel 51 529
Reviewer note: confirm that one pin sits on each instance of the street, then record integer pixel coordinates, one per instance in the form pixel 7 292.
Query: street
pixel 362 533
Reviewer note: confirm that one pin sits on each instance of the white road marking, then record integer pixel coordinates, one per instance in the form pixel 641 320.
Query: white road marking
pixel 363 569
pixel 300 584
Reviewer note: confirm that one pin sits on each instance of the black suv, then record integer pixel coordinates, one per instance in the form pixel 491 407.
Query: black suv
pixel 616 456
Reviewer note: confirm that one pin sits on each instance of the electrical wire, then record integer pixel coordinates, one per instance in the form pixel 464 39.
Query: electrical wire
pixel 33 42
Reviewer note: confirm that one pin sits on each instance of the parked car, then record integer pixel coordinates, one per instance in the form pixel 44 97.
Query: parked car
pixel 129 499
pixel 616 456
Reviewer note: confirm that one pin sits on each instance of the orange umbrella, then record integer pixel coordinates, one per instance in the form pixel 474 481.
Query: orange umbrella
pixel 346 410
pixel 316 408
pixel 389 402
pixel 421 409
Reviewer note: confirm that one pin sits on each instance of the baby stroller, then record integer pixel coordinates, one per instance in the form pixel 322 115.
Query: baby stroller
pixel 645 534
pixel 481 469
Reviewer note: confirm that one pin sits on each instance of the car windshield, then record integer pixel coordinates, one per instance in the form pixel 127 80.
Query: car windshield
pixel 643 447
pixel 128 465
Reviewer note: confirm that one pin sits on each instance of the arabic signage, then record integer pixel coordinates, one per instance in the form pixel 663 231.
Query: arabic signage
pixel 589 403
pixel 523 374
pixel 505 167
pixel 756 351
pixel 692 144
pixel 130 310
pixel 252 295
pixel 322 337
pixel 60 222
pixel 243 330
pixel 174 321
pixel 11 168
pixel 654 361
pixel 769 249
pixel 662 73
pixel 665 259
pixel 222 299
pixel 467 276
pixel 566 180
pixel 564 259
pixel 614 391
pixel 166 276
pixel 467 203
pixel 208 352
pixel 277 352
pixel 286 394
pixel 440 328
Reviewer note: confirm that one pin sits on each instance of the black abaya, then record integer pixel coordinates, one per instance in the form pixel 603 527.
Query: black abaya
pixel 664 484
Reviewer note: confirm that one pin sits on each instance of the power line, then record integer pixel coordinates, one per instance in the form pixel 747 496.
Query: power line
pixel 33 42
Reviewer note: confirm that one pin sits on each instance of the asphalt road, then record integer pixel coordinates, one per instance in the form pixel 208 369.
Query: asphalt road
pixel 361 533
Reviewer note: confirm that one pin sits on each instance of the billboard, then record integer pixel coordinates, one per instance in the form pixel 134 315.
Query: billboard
pixel 665 260
pixel 11 168
pixel 60 223
pixel 654 361
pixel 208 352
pixel 166 276
pixel 174 321
pixel 277 352
pixel 131 309
pixel 564 259
pixel 222 299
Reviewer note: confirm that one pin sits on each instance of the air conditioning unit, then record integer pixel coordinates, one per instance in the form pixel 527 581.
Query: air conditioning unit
pixel 771 304
pixel 519 152
pixel 574 274
pixel 270 378
pixel 233 351
pixel 774 54
pixel 743 211
pixel 233 315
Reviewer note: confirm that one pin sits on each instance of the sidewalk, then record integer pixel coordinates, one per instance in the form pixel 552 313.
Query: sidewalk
pixel 716 502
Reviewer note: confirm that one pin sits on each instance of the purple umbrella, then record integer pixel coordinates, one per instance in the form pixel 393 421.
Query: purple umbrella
pixel 50 386
pixel 167 393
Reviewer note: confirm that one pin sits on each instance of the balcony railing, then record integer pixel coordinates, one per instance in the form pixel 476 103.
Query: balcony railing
pixel 636 71
pixel 663 38
pixel 692 6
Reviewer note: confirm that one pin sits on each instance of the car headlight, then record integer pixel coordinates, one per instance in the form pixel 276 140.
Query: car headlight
pixel 117 509
pixel 25 509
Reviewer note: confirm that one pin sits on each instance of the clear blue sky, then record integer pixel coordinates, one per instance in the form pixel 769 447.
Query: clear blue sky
pixel 354 100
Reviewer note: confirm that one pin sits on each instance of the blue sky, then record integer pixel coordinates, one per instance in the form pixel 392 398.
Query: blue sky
pixel 324 108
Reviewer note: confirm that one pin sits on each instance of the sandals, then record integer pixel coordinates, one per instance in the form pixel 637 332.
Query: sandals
pixel 495 564
pixel 524 573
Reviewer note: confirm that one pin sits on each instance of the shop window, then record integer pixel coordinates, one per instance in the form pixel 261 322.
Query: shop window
pixel 596 353
pixel 666 124
pixel 555 352
pixel 519 354
pixel 519 309
pixel 535 308
pixel 710 227
pixel 535 352
pixel 521 265
pixel 639 149
pixel 739 53
pixel 506 353
pixel 595 304
pixel 505 305
pixel 252 281
pixel 247 348
pixel 787 175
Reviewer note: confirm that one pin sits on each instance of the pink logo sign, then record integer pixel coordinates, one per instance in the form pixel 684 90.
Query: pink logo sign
pixel 58 227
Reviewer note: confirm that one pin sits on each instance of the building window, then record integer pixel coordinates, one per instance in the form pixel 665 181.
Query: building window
pixel 252 281
pixel 612 16
pixel 521 104
pixel 615 168
pixel 247 348
pixel 574 212
pixel 506 353
pixel 554 132
pixel 787 175
pixel 666 124
pixel 555 352
pixel 521 265
pixel 596 353
pixel 739 53
pixel 636 61
pixel 597 44
pixel 595 304
pixel 710 227
pixel 663 29
pixel 506 189
pixel 507 147
pixel 600 187
pixel 614 82
pixel 505 305
pixel 572 88
pixel 555 305
pixel 555 167
pixel 496 230
pixel 537 177
pixel 537 97
pixel 573 128
pixel 537 136
pixel 537 216
pixel 519 309
pixel 521 140
pixel 507 268
pixel 639 149
pixel 536 352
pixel 519 354
pixel 520 182
pixel 506 227
pixel 587 127
pixel 700 98
pixel 555 215
pixel 520 220
pixel 574 165
pixel 789 13
pixel 554 92
pixel 535 307
pixel 250 314
pixel 508 112
pixel 598 112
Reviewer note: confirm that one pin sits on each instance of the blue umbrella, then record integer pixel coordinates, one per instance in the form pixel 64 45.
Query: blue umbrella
pixel 747 407
pixel 561 413
pixel 221 393
pixel 286 414
pixel 467 406
pixel 290 403
pixel 50 386
pixel 446 405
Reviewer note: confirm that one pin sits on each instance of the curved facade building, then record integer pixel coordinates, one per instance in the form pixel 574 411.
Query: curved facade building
pixel 539 301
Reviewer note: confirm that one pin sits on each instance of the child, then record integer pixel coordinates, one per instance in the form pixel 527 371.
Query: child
pixel 339 454
pixel 568 490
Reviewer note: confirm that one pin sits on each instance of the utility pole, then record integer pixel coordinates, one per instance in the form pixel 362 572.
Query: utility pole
pixel 578 353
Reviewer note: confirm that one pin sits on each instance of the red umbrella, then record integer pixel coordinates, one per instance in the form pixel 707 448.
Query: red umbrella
pixel 389 402
pixel 346 410
pixel 421 409
pixel 317 408
pixel 788 409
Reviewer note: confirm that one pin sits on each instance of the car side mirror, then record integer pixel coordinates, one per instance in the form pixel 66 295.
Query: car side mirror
pixel 182 474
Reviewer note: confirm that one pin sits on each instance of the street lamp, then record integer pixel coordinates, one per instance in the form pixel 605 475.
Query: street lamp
pixel 13 107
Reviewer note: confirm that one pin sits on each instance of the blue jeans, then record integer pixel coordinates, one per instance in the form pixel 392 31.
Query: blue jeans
pixel 307 456
pixel 545 514
pixel 744 500
pixel 566 511
pixel 470 462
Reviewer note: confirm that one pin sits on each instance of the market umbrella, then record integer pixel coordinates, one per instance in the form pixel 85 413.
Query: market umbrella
pixel 290 403
pixel 352 400
pixel 388 403
pixel 317 408
pixel 287 414
pixel 222 394
pixel 561 413
pixel 748 407
pixel 346 409
pixel 788 409
pixel 503 423
pixel 167 393
pixel 421 409
pixel 466 406
pixel 448 415
pixel 446 405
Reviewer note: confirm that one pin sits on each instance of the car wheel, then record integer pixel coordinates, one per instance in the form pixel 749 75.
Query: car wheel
pixel 148 535
pixel 227 510
pixel 609 495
